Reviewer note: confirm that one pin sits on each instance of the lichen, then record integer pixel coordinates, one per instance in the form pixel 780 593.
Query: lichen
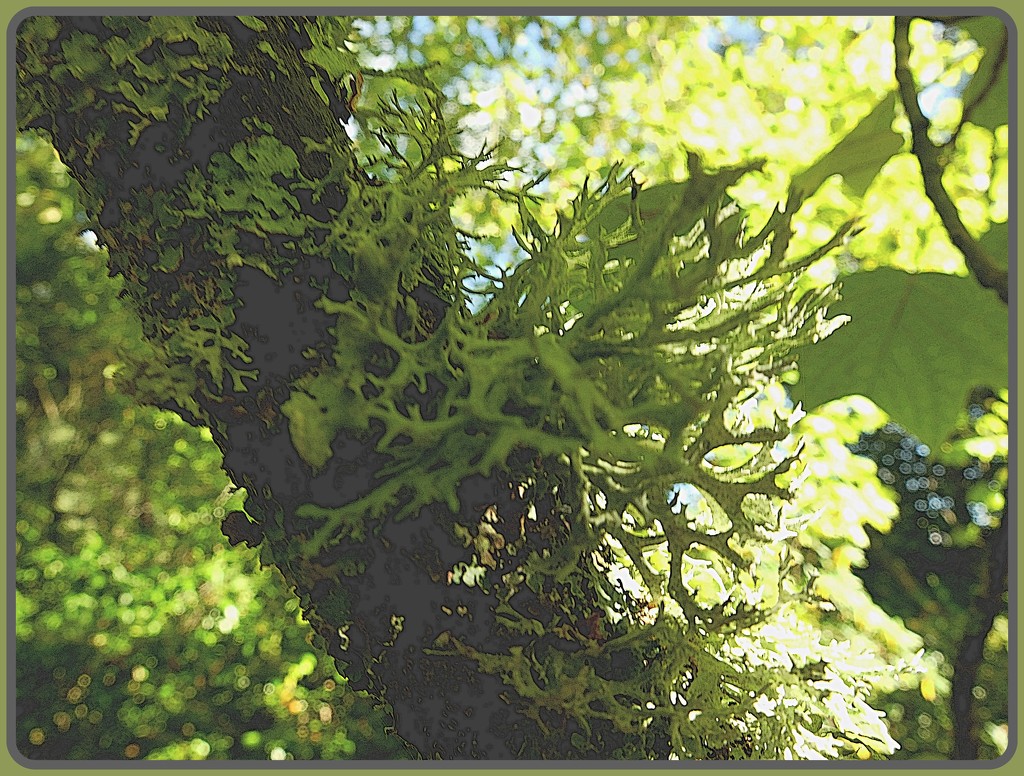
pixel 464 500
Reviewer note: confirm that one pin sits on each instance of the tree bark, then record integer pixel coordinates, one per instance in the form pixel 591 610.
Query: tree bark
pixel 987 604
pixel 86 82
pixel 491 554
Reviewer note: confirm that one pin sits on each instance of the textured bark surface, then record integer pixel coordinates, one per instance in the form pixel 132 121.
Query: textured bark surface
pixel 233 262
pixel 138 169
pixel 473 511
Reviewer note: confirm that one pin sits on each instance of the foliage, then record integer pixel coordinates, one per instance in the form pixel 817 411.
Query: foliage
pixel 928 573
pixel 431 367
pixel 784 89
pixel 139 635
pixel 880 353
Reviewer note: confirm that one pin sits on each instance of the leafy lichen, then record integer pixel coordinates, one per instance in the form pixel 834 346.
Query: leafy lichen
pixel 483 497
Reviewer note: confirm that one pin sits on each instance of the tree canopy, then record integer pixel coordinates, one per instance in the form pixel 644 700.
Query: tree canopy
pixel 502 325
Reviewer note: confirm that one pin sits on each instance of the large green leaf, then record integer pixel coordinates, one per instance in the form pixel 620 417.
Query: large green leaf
pixel 651 202
pixel 986 98
pixel 996 242
pixel 915 345
pixel 858 157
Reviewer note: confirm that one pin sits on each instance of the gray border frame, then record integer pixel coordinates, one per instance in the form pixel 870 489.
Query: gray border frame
pixel 1011 512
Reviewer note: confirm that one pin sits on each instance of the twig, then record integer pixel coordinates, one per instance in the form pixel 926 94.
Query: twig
pixel 947 20
pixel 978 260
pixel 971 653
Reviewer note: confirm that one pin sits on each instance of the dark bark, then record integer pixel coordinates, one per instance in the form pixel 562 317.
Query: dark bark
pixel 382 621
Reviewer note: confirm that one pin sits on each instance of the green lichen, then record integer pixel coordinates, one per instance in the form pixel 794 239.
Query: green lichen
pixel 557 390
pixel 620 359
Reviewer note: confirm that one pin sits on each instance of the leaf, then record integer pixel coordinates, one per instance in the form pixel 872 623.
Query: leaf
pixel 858 157
pixel 915 345
pixel 702 190
pixel 651 201
pixel 996 242
pixel 987 97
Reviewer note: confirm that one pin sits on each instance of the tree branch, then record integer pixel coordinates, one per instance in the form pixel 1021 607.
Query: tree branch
pixel 944 19
pixel 986 605
pixel 980 263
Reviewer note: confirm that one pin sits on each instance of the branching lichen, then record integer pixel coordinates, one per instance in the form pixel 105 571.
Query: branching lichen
pixel 477 511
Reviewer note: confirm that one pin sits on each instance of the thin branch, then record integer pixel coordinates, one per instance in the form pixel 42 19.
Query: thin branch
pixel 947 20
pixel 897 568
pixel 49 404
pixel 971 653
pixel 987 272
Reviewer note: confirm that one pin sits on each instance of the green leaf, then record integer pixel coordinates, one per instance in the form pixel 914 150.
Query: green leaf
pixel 651 202
pixel 915 345
pixel 656 203
pixel 996 242
pixel 986 98
pixel 858 157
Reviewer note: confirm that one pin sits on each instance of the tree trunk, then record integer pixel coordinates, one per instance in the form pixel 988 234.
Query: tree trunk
pixel 472 511
pixel 147 150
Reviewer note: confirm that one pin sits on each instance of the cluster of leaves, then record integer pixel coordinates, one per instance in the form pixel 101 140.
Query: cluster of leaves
pixel 139 634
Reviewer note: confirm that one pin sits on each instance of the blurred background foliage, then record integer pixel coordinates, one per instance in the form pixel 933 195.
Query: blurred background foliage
pixel 141 634
pixel 573 95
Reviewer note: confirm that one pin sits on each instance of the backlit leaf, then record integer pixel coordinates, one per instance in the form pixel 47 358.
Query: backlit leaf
pixel 915 346
pixel 996 242
pixel 858 157
pixel 986 98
